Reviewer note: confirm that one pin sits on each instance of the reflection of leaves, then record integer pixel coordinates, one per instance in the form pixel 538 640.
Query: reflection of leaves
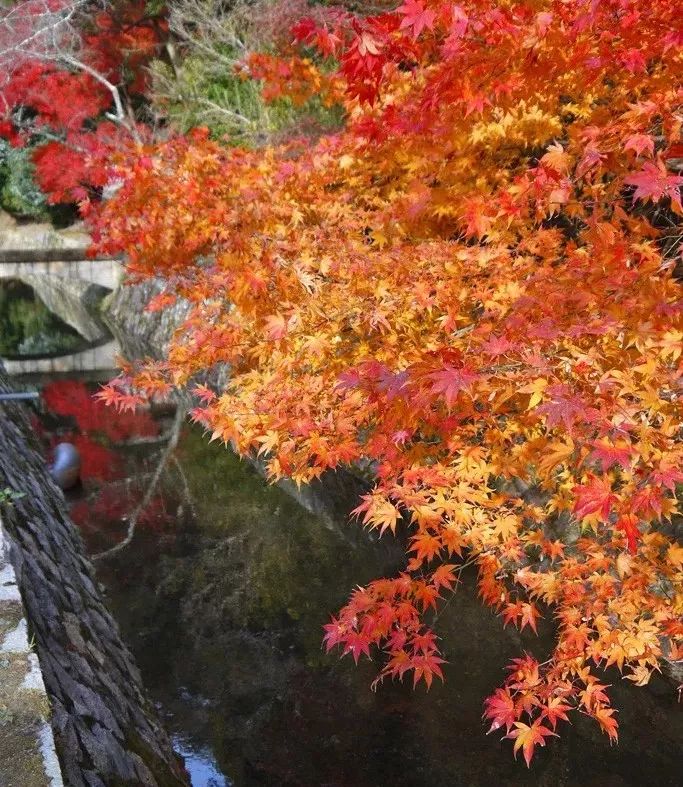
pixel 73 398
pixel 102 517
pixel 102 467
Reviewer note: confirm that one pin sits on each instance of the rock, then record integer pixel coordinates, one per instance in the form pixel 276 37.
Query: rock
pixel 66 467
pixel 73 300
pixel 141 333
pixel 7 225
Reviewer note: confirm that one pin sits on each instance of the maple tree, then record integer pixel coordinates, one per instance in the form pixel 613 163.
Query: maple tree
pixel 70 72
pixel 470 291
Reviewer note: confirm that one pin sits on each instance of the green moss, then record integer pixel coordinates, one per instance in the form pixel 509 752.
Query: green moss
pixel 22 713
pixel 197 92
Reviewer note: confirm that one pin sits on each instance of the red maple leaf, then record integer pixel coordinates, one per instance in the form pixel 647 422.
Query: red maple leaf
pixel 426 666
pixel 416 16
pixel 667 476
pixel 607 455
pixel 450 381
pixel 640 143
pixel 593 497
pixel 653 182
pixel 628 523
pixel 555 710
pixel 500 709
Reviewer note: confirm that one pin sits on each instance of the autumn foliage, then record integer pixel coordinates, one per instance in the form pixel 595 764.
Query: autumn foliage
pixel 469 291
pixel 58 101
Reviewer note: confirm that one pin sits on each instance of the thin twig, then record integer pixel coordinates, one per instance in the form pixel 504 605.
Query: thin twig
pixel 165 457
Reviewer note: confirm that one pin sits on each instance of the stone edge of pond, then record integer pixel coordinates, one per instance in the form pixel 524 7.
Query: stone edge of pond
pixel 28 757
pixel 106 730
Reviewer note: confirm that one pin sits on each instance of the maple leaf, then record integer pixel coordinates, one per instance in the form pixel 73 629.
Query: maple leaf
pixel 529 616
pixel 607 454
pixel 450 381
pixel 640 143
pixel 477 357
pixel 500 708
pixel 594 497
pixel 668 476
pixel 555 710
pixel 426 546
pixel 653 182
pixel 593 696
pixel 367 45
pixel 456 31
pixel 554 549
pixel 335 631
pixel 276 327
pixel 379 513
pixel 416 16
pixel 556 453
pixel 565 408
pixel 527 737
pixel 556 158
pixel 161 301
pixel 496 346
pixel 674 555
pixel 426 595
pixel 628 524
pixel 511 613
pixel 647 501
pixel 399 663
pixel 204 393
pixel 444 576
pixel 425 667
pixel 608 724
pixel 356 644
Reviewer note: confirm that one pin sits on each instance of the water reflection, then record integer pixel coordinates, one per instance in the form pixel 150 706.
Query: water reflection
pixel 222 596
pixel 28 329
pixel 200 764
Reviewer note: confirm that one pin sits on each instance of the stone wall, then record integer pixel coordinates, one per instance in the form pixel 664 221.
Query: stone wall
pixel 17 234
pixel 106 730
pixel 71 289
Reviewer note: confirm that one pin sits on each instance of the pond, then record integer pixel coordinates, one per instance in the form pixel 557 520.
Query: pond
pixel 222 596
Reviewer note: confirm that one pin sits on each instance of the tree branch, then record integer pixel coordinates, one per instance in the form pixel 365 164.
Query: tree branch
pixel 142 505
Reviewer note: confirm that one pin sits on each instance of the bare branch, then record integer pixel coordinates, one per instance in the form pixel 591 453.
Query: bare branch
pixel 38 30
pixel 142 505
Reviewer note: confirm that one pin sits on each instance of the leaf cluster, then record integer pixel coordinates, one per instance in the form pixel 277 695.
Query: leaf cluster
pixel 469 290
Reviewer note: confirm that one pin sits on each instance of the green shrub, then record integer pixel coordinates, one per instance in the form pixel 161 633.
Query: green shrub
pixel 19 192
pixel 197 84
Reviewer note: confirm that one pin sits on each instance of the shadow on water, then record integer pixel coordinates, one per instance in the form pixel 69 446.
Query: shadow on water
pixel 222 596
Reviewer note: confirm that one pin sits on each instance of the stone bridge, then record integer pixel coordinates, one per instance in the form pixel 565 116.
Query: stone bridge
pixel 71 286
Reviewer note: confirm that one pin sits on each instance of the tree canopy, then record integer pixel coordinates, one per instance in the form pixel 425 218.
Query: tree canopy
pixel 469 291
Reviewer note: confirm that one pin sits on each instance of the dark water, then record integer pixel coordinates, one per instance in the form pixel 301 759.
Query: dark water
pixel 222 596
